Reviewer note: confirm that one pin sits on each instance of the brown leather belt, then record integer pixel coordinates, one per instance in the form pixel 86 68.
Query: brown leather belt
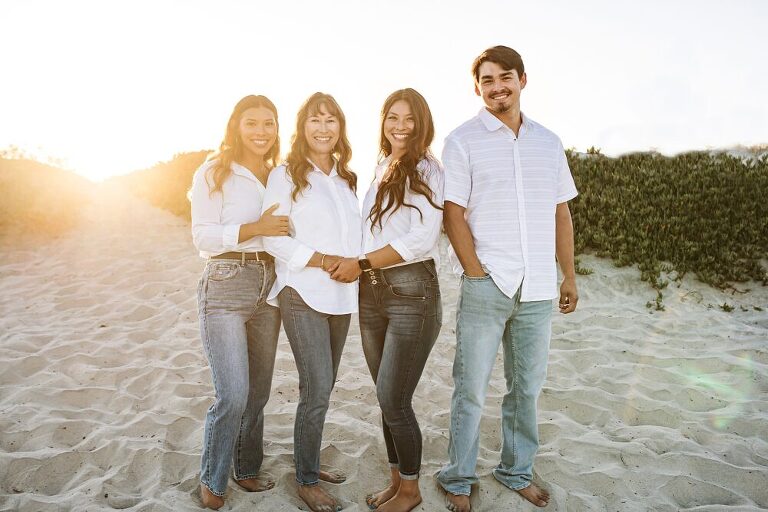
pixel 245 256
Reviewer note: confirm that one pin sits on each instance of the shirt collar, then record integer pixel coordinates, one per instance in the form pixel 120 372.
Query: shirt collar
pixel 243 171
pixel 493 123
pixel 330 174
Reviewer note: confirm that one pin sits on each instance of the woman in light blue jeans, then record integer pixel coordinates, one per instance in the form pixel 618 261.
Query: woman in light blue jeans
pixel 238 328
pixel 400 309
pixel 316 190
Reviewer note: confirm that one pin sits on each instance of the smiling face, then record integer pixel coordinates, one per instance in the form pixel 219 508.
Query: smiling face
pixel 500 88
pixel 398 127
pixel 321 132
pixel 257 130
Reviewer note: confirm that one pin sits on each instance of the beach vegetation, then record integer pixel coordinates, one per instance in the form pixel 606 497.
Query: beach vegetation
pixel 39 199
pixel 701 213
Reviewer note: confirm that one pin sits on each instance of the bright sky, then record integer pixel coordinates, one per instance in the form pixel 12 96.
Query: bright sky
pixel 112 87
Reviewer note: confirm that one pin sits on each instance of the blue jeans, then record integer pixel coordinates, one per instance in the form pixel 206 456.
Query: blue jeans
pixel 239 331
pixel 485 318
pixel 317 340
pixel 400 318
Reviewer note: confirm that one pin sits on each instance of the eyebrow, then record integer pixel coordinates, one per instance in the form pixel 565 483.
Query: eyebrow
pixel 505 74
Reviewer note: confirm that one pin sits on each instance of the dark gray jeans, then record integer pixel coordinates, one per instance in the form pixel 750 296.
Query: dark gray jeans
pixel 400 318
pixel 317 340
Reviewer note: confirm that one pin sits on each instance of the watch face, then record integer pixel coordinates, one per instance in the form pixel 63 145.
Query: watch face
pixel 364 264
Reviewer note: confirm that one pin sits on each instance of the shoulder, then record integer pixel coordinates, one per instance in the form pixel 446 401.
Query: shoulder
pixel 543 133
pixel 279 177
pixel 467 129
pixel 204 169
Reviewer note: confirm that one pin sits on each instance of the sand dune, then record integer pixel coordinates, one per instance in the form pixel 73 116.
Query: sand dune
pixel 103 388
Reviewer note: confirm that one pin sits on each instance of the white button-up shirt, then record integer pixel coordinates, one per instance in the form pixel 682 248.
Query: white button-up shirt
pixel 414 236
pixel 216 218
pixel 325 218
pixel 510 187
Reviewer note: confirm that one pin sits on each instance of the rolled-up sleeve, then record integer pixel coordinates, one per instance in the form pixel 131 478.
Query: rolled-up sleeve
pixel 425 226
pixel 286 248
pixel 458 179
pixel 208 233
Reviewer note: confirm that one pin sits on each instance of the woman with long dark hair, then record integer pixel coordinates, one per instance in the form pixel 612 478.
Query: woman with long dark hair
pixel 316 190
pixel 239 330
pixel 400 310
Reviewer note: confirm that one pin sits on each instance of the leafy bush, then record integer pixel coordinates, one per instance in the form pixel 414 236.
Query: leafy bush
pixel 37 198
pixel 699 212
pixel 165 184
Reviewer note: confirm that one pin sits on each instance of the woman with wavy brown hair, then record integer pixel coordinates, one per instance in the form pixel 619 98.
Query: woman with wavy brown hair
pixel 400 310
pixel 316 190
pixel 238 328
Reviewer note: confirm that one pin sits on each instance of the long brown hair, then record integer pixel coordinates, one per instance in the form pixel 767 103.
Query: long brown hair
pixel 231 148
pixel 403 172
pixel 296 161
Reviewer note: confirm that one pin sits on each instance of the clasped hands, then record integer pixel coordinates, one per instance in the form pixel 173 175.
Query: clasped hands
pixel 343 270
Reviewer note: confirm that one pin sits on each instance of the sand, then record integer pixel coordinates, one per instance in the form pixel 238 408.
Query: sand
pixel 104 386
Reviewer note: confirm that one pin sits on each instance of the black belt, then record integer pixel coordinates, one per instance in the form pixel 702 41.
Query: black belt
pixel 245 256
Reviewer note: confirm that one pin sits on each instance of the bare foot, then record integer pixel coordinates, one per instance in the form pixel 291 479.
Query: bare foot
pixel 209 499
pixel 458 503
pixel 255 484
pixel 317 499
pixel 332 475
pixel 406 499
pixel 377 499
pixel 535 495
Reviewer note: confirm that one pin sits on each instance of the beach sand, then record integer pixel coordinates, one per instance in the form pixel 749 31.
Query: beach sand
pixel 104 386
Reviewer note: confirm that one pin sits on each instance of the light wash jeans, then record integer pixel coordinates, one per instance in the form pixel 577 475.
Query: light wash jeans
pixel 317 340
pixel 485 318
pixel 400 318
pixel 239 331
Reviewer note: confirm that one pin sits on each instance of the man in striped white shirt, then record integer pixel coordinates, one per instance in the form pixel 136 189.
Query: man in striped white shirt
pixel 507 184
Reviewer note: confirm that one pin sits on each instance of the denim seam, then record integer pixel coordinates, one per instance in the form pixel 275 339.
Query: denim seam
pixel 408 378
pixel 297 445
pixel 206 477
pixel 513 339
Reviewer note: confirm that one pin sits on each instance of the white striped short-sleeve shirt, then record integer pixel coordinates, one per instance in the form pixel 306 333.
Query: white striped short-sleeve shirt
pixel 510 186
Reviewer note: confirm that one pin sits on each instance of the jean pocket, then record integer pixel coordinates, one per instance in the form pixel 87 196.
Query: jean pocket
pixel 223 271
pixel 415 290
pixel 470 278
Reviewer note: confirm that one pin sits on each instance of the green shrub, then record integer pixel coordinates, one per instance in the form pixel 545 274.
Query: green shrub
pixel 165 184
pixel 700 212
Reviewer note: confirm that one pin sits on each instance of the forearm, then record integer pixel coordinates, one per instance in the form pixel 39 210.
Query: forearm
pixel 248 231
pixel 384 257
pixel 564 241
pixel 457 229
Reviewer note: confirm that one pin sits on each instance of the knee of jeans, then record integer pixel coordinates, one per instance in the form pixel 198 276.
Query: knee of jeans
pixel 391 402
pixel 232 403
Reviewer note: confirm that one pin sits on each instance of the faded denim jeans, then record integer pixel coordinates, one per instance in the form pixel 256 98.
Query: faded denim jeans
pixel 400 319
pixel 239 331
pixel 317 340
pixel 486 318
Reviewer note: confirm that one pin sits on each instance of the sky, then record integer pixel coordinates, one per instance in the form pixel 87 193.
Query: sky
pixel 115 86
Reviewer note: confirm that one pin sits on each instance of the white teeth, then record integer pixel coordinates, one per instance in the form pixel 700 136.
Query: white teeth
pixel 400 136
pixel 322 139
pixel 259 142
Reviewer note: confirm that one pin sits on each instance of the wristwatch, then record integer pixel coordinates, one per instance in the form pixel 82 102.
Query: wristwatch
pixel 365 265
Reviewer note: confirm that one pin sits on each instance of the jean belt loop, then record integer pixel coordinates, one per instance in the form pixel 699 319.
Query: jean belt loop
pixel 242 259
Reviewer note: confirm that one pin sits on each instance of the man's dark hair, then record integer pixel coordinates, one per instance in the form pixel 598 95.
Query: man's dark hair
pixel 504 56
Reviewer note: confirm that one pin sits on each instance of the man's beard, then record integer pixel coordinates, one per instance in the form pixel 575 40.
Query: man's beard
pixel 502 109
